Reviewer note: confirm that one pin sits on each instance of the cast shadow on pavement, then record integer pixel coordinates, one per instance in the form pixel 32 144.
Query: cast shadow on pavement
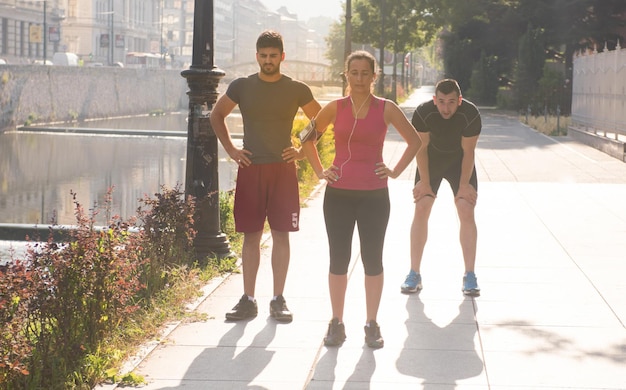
pixel 325 378
pixel 440 356
pixel 225 366
pixel 543 340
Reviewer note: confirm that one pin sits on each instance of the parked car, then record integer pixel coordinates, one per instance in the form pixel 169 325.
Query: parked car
pixel 40 62
pixel 65 59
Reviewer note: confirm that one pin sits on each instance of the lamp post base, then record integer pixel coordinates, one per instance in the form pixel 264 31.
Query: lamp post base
pixel 211 246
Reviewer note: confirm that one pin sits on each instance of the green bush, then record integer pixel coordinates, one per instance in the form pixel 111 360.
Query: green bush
pixel 227 220
pixel 326 149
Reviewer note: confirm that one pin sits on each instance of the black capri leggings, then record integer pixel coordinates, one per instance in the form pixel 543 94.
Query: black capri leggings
pixel 369 210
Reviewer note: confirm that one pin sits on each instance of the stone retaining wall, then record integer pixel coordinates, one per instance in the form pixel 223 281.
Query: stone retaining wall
pixel 60 93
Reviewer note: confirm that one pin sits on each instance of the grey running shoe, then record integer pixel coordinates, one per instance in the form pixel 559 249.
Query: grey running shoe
pixel 336 334
pixel 470 285
pixel 244 309
pixel 373 338
pixel 412 283
pixel 279 311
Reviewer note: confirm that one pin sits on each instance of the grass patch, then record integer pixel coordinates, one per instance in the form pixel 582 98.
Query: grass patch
pixel 168 306
pixel 550 125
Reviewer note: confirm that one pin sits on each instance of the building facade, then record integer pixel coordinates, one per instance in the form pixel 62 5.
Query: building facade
pixel 106 32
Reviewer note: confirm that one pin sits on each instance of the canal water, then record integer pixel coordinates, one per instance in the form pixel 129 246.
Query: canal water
pixel 40 170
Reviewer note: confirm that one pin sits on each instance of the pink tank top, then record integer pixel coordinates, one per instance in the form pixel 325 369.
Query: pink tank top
pixel 358 148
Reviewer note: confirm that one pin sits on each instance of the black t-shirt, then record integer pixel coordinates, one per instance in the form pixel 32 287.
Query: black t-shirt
pixel 446 134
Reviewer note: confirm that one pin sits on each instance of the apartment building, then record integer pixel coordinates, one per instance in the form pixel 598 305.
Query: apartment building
pixel 108 32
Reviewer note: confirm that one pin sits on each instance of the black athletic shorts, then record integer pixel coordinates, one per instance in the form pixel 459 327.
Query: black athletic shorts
pixel 446 166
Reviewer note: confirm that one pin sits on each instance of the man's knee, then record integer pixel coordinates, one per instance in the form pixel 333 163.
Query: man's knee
pixel 279 235
pixel 423 206
pixel 465 209
pixel 252 238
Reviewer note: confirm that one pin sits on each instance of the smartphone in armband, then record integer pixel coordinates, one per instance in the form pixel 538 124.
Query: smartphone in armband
pixel 309 133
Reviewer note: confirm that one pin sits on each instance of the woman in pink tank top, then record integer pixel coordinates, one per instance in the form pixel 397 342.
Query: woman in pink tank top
pixel 356 191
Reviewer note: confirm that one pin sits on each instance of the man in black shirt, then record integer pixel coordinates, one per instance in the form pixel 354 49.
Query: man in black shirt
pixel 449 127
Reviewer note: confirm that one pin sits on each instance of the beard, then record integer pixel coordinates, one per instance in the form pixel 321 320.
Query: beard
pixel 270 69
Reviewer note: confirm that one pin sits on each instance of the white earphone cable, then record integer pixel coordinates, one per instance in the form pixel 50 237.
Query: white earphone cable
pixel 356 114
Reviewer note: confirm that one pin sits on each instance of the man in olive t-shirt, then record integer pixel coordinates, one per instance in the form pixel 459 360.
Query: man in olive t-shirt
pixel 267 183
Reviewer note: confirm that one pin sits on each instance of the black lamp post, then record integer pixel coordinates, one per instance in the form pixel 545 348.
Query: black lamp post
pixel 110 48
pixel 394 73
pixel 347 46
pixel 381 60
pixel 45 32
pixel 111 34
pixel 201 176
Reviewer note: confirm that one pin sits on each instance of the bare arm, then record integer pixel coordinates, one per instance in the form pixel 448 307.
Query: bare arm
pixel 422 187
pixel 311 109
pixel 292 153
pixel 395 116
pixel 221 110
pixel 466 190
pixel 324 118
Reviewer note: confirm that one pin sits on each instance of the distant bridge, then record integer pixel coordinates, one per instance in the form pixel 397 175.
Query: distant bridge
pixel 312 73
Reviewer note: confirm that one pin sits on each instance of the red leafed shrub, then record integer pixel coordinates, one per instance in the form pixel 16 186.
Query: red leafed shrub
pixel 59 304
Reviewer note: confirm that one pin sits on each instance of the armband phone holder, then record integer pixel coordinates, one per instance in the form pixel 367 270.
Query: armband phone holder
pixel 309 133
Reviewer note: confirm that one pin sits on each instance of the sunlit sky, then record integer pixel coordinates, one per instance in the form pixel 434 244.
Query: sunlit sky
pixel 306 9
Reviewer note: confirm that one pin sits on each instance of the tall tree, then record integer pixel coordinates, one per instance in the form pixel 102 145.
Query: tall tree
pixel 470 27
pixel 407 20
pixel 572 25
pixel 531 59
pixel 484 81
pixel 475 27
pixel 335 48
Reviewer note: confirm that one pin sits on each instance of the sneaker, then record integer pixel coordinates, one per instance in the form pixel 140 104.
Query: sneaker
pixel 373 338
pixel 470 285
pixel 244 309
pixel 279 311
pixel 336 334
pixel 412 283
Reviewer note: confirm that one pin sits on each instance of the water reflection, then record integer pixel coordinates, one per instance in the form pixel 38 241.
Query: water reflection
pixel 172 122
pixel 176 121
pixel 39 170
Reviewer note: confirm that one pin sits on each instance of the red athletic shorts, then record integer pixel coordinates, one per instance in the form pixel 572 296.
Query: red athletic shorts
pixel 267 191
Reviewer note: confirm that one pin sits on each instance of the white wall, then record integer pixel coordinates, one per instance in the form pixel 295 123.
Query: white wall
pixel 599 92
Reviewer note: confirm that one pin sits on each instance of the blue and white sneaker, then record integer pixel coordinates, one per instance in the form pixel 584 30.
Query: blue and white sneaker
pixel 412 283
pixel 470 285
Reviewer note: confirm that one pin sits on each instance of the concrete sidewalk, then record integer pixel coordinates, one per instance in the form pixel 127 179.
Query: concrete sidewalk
pixel 551 265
